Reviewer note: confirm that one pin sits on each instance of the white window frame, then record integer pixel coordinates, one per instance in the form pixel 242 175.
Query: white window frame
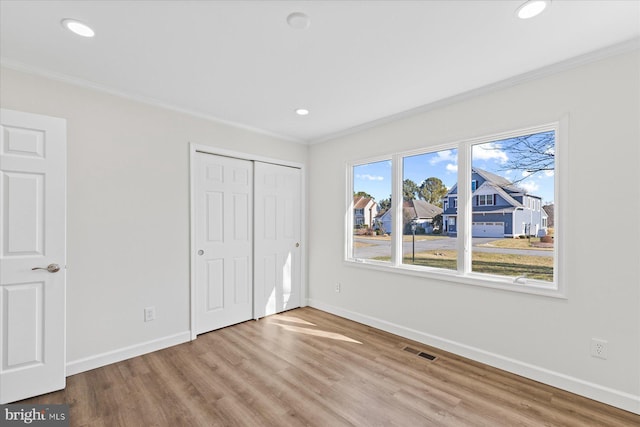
pixel 350 212
pixel 558 288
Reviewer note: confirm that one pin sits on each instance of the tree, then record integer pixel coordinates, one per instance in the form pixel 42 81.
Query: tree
pixel 409 190
pixel 385 204
pixel 362 194
pixel 432 190
pixel 407 219
pixel 437 223
pixel 530 153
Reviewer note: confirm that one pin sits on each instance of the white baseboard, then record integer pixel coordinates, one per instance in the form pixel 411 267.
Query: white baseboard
pixel 617 398
pixel 99 360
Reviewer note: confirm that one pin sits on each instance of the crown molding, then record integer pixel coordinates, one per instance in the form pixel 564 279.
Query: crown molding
pixel 19 66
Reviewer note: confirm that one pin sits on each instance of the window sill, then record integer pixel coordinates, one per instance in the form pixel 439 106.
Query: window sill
pixel 531 287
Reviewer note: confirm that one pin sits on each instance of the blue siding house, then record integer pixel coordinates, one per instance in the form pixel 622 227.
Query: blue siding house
pixel 500 208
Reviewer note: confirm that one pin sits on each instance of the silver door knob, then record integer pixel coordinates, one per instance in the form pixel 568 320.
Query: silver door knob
pixel 51 268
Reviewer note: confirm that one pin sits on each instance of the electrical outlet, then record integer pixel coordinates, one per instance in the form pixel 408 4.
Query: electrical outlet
pixel 338 287
pixel 599 348
pixel 149 314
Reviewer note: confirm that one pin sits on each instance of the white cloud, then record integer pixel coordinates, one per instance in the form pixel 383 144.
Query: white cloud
pixel 370 177
pixel 490 151
pixel 549 173
pixel 443 156
pixel 451 167
pixel 531 186
pixel 526 173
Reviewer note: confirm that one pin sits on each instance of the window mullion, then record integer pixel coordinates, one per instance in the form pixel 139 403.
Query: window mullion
pixel 349 222
pixel 464 209
pixel 396 205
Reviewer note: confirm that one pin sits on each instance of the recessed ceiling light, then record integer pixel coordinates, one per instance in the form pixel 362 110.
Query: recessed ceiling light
pixel 298 21
pixel 78 27
pixel 302 112
pixel 531 8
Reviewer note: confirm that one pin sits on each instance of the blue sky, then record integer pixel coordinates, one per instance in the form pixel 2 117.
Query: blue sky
pixel 375 178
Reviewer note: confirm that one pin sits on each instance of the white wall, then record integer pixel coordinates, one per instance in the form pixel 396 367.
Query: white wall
pixel 541 337
pixel 128 211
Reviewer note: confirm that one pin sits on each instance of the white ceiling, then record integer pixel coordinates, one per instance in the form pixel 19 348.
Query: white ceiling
pixel 358 62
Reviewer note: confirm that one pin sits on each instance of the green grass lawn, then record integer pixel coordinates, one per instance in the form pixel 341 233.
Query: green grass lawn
pixel 510 243
pixel 535 267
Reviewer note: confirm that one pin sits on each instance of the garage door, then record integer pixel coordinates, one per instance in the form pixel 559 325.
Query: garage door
pixel 488 229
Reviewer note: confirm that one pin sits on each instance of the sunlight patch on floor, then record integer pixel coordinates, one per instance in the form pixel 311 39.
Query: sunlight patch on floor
pixel 317 333
pixel 290 319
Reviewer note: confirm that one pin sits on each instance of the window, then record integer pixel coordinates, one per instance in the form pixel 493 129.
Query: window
pixel 485 199
pixel 522 167
pixel 504 238
pixel 370 204
pixel 427 180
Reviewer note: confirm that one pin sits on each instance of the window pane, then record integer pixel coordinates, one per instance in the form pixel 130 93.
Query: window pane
pixel 513 224
pixel 371 211
pixel 429 214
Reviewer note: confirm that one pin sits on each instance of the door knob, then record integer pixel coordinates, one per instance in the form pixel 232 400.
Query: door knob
pixel 51 268
pixel 298 245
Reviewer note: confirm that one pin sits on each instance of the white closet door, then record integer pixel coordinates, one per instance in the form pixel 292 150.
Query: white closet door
pixel 278 278
pixel 32 219
pixel 223 241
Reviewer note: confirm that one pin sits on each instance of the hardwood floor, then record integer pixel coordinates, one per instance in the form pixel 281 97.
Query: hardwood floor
pixel 307 367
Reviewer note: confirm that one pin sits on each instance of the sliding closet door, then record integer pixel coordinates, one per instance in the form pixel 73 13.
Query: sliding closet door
pixel 223 241
pixel 277 280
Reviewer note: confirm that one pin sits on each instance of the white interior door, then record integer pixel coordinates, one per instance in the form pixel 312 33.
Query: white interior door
pixel 32 220
pixel 223 241
pixel 277 281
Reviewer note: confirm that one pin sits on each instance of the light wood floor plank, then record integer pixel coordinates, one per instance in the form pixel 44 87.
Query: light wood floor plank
pixel 310 368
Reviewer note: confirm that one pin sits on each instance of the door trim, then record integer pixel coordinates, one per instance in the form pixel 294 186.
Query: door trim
pixel 200 148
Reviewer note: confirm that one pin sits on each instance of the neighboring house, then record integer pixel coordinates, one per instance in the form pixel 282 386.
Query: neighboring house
pixel 421 211
pixel 365 209
pixel 383 220
pixel 500 208
pixel 550 214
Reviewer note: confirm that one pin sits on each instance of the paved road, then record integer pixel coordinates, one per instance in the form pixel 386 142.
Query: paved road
pixel 383 247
